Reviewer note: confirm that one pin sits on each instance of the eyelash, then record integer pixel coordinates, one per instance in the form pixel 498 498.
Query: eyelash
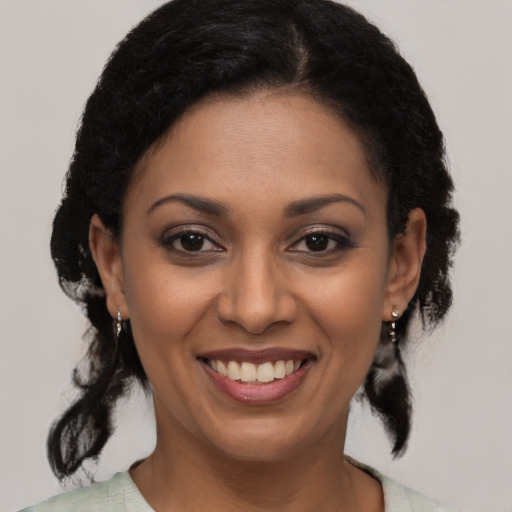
pixel 168 239
pixel 342 242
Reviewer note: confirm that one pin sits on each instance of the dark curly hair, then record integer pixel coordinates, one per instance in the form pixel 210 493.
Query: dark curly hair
pixel 188 49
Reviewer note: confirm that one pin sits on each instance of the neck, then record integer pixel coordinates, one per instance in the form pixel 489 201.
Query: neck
pixel 314 478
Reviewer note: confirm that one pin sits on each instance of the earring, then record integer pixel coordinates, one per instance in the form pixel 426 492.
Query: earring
pixel 118 325
pixel 393 336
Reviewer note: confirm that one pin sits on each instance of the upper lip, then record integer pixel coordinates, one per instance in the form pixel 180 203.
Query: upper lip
pixel 257 356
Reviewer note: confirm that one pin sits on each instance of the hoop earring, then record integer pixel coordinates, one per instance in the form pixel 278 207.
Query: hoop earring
pixel 393 335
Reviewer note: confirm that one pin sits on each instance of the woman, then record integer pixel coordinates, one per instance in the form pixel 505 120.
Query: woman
pixel 256 209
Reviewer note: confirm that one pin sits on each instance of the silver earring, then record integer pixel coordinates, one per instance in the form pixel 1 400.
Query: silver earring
pixel 393 335
pixel 118 326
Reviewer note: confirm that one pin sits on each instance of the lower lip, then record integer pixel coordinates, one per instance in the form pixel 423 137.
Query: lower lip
pixel 259 393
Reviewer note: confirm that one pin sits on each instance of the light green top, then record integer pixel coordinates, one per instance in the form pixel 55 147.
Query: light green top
pixel 120 494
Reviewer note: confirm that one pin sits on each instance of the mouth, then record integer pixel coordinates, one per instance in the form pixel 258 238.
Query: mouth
pixel 257 377
pixel 255 374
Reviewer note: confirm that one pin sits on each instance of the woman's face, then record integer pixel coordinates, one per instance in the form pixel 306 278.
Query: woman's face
pixel 254 243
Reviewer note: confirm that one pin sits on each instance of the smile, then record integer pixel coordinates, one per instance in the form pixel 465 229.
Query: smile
pixel 251 373
pixel 257 377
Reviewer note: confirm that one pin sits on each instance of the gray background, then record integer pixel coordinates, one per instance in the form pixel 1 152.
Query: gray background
pixel 51 53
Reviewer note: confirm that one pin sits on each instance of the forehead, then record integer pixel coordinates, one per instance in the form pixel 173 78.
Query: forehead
pixel 269 142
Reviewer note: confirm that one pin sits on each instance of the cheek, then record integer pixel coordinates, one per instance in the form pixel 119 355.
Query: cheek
pixel 166 312
pixel 349 296
pixel 162 299
pixel 165 307
pixel 348 309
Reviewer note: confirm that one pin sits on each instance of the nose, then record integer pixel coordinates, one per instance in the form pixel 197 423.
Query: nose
pixel 256 295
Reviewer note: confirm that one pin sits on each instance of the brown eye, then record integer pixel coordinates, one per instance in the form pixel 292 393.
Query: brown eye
pixel 191 242
pixel 322 243
pixel 317 242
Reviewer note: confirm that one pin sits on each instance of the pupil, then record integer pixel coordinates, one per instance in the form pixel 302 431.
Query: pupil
pixel 317 242
pixel 192 242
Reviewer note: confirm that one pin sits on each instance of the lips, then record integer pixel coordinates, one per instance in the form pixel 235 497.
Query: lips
pixel 257 377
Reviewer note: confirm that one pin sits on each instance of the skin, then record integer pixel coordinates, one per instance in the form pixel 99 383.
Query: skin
pixel 254 284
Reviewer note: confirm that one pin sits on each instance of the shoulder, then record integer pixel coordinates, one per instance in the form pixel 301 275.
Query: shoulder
pixel 398 498
pixel 119 494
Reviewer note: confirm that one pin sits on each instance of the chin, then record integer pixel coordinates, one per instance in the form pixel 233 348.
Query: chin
pixel 261 442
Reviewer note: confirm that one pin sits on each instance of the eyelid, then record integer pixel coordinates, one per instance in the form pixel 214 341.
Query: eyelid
pixel 176 232
pixel 340 235
pixel 334 231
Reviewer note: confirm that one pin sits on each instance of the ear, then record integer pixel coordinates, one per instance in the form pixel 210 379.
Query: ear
pixel 107 256
pixel 405 264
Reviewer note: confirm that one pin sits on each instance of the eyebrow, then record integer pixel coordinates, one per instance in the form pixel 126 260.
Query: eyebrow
pixel 294 209
pixel 201 204
pixel 313 204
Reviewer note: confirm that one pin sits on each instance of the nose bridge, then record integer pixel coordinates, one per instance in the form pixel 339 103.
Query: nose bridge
pixel 255 294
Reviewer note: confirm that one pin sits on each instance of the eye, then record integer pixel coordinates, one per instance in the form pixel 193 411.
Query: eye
pixel 317 242
pixel 190 241
pixel 322 242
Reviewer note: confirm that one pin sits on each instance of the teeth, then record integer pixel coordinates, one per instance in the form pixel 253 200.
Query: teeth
pixel 249 372
pixel 279 370
pixel 265 372
pixel 221 368
pixel 233 370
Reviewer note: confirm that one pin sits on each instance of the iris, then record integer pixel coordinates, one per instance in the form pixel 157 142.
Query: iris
pixel 317 242
pixel 192 242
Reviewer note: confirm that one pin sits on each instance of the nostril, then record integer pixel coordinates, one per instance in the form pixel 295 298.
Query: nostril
pixel 256 313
